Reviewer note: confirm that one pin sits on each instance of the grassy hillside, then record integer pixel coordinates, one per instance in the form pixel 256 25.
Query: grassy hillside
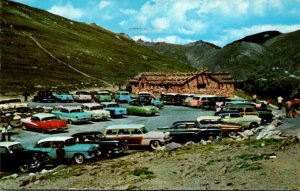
pixel 87 47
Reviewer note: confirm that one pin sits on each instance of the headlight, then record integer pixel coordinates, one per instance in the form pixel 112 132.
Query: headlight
pixel 166 135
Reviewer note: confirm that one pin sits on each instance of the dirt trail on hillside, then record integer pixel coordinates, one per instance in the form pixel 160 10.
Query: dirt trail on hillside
pixel 58 60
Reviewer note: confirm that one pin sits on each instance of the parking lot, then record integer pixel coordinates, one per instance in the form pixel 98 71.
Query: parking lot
pixel 167 116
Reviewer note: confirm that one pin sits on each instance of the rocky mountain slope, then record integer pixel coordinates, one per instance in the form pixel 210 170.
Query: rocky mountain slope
pixel 266 63
pixel 42 50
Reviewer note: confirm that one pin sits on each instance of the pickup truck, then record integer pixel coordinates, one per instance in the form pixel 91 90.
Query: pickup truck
pixel 108 147
pixel 246 121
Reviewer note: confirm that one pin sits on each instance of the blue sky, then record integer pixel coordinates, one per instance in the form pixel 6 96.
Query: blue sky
pixel 180 21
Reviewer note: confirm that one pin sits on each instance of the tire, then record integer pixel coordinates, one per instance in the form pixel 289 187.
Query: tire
pixel 232 134
pixel 79 159
pixel 70 122
pixel 109 154
pixel 253 125
pixel 154 145
pixel 24 167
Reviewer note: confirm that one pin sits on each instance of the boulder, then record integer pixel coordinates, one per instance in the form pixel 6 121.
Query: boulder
pixel 172 146
pixel 189 143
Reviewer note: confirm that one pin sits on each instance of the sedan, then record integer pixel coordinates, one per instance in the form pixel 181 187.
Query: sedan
pixel 44 122
pixel 96 110
pixel 76 152
pixel 72 114
pixel 14 157
pixel 136 107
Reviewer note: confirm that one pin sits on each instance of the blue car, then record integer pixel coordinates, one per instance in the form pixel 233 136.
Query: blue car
pixel 114 109
pixel 122 97
pixel 73 151
pixel 63 96
pixel 72 114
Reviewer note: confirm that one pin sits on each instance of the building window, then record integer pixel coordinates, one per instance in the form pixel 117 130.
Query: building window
pixel 201 86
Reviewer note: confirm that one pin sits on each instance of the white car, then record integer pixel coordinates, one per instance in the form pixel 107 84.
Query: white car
pixel 247 121
pixel 82 96
pixel 96 110
pixel 137 135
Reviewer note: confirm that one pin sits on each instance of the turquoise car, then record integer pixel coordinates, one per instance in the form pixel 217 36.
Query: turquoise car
pixel 73 151
pixel 136 107
pixel 122 97
pixel 63 96
pixel 72 114
pixel 114 109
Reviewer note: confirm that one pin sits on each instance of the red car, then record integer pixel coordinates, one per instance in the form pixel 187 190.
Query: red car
pixel 44 122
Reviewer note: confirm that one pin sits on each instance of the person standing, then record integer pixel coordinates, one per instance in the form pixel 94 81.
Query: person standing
pixel 26 94
pixel 8 131
pixel 288 107
pixel 268 101
pixel 279 102
pixel 60 154
pixel 296 104
pixel 254 98
pixel 4 132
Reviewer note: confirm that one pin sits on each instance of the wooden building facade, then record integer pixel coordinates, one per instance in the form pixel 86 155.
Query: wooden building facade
pixel 201 82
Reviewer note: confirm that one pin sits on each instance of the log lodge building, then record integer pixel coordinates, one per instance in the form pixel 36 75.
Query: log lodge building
pixel 200 82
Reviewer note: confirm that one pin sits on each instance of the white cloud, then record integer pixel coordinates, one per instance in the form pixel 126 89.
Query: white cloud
pixel 104 4
pixel 107 17
pixel 128 11
pixel 161 23
pixel 172 39
pixel 67 11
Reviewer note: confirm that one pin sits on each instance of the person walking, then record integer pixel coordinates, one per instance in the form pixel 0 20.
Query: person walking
pixel 279 102
pixel 296 104
pixel 254 98
pixel 8 131
pixel 288 107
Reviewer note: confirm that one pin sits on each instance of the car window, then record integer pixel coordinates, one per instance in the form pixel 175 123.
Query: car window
pixel 70 142
pixel 49 118
pixel 204 122
pixel 3 150
pixel 234 115
pixel 135 131
pixel 181 126
pixel 249 110
pixel 191 126
pixel 45 145
pixel 33 118
pixel 214 121
pixel 124 132
pixel 240 109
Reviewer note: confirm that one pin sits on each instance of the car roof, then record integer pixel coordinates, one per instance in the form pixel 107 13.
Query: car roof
pixel 204 95
pixel 62 138
pixel 227 111
pixel 177 122
pixel 86 132
pixel 238 105
pixel 125 126
pixel 207 117
pixel 91 104
pixel 71 107
pixel 109 102
pixel 9 143
pixel 43 115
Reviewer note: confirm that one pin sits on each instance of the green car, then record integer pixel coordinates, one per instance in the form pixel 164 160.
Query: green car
pixel 136 107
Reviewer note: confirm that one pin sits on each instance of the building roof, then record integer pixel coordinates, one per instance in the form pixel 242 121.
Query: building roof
pixel 180 78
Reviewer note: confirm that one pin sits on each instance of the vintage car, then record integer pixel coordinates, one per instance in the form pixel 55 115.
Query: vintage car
pixel 44 122
pixel 12 105
pixel 114 109
pixel 136 107
pixel 107 147
pixel 186 99
pixel 148 99
pixel 247 121
pixel 73 151
pixel 72 114
pixel 103 95
pixel 82 96
pixel 184 131
pixel 122 97
pixel 228 128
pixel 96 110
pixel 137 135
pixel 199 99
pixel 44 96
pixel 15 158
pixel 170 98
pixel 63 96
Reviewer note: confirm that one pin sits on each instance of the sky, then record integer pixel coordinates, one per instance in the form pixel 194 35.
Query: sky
pixel 180 21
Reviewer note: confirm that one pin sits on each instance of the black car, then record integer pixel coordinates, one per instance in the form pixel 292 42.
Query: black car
pixel 108 147
pixel 221 112
pixel 44 96
pixel 184 131
pixel 15 158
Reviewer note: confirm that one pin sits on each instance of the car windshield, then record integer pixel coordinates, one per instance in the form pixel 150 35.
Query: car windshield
pixel 75 110
pixel 15 148
pixel 144 130
pixel 49 118
pixel 83 93
pixel 70 142
pixel 63 93
pixel 104 93
pixel 113 105
pixel 96 107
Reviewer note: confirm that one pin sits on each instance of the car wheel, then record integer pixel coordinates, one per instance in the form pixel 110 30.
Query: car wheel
pixel 154 145
pixel 253 125
pixel 232 134
pixel 109 153
pixel 24 167
pixel 70 122
pixel 79 159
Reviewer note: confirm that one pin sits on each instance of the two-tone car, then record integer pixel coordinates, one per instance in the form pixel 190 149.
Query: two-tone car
pixel 97 111
pixel 12 105
pixel 246 121
pixel 72 114
pixel 184 131
pixel 63 96
pixel 82 96
pixel 136 107
pixel 137 135
pixel 13 157
pixel 114 108
pixel 44 122
pixel 76 152
pixel 122 97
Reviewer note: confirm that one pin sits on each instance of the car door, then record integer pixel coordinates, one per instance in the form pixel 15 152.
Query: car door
pixel 49 147
pixel 7 159
pixel 136 137
pixel 183 133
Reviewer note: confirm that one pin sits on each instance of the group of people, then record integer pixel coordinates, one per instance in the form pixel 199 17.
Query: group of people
pixel 290 107
pixel 6 132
